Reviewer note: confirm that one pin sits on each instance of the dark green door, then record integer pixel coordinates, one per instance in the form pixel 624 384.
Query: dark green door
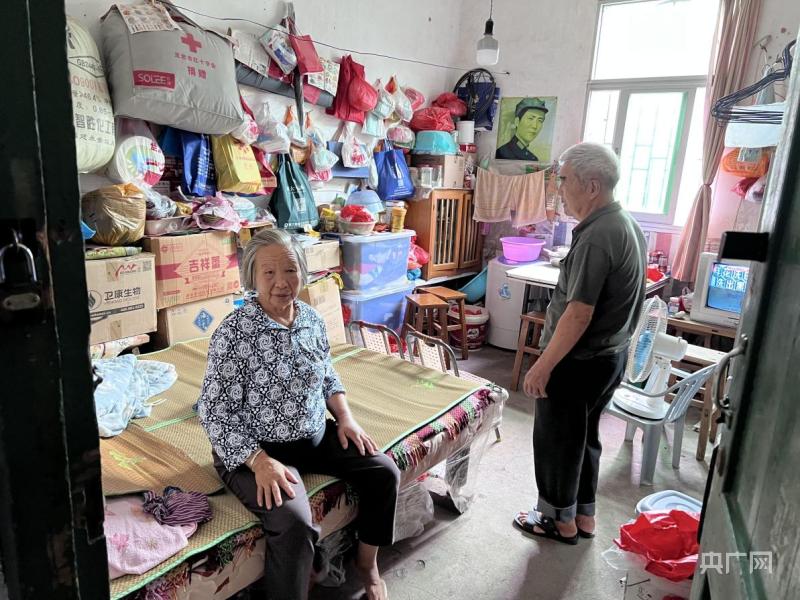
pixel 51 511
pixel 750 539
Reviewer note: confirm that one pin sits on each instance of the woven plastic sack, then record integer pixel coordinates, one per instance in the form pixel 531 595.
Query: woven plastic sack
pixel 92 113
pixel 184 77
pixel 237 169
pixel 117 214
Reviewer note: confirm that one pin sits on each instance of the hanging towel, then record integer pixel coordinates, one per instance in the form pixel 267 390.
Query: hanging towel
pixel 516 198
pixel 177 507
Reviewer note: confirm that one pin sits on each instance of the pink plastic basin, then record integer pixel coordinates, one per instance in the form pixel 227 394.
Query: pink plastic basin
pixel 521 249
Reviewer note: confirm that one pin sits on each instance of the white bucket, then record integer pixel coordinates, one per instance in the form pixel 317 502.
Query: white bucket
pixel 466 132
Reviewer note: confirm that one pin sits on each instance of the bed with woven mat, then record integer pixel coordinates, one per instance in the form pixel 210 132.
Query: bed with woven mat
pixel 418 416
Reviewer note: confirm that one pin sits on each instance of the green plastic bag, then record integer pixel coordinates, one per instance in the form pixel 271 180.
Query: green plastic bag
pixel 292 202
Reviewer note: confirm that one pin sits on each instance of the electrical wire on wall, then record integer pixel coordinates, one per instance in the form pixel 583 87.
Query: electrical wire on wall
pixel 331 46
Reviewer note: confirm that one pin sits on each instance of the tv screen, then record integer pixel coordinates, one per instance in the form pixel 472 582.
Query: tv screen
pixel 726 287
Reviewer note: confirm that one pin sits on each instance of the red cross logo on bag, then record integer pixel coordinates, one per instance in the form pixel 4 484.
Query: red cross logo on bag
pixel 192 43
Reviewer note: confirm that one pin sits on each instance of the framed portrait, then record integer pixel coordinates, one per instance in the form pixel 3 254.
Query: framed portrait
pixel 526 127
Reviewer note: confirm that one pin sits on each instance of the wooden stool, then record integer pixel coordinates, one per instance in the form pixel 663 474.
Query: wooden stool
pixel 425 309
pixel 530 320
pixel 459 299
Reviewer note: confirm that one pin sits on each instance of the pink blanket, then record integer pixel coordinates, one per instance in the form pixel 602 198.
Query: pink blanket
pixel 135 541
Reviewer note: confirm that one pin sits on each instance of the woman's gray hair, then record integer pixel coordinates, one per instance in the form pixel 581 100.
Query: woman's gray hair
pixel 593 161
pixel 269 237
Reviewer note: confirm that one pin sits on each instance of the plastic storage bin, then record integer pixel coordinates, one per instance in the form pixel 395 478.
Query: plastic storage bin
pixel 385 307
pixel 375 262
pixel 668 500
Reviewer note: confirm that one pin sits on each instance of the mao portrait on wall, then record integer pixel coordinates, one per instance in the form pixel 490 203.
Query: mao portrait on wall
pixel 526 128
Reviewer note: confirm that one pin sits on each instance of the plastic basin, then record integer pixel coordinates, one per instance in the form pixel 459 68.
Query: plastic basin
pixel 476 287
pixel 521 249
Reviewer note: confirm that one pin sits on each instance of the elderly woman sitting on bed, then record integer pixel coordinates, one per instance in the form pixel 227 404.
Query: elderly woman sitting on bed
pixel 268 381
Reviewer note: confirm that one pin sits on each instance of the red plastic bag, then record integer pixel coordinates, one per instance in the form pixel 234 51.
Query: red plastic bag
pixel 417 256
pixel 667 539
pixel 416 97
pixel 741 187
pixel 361 95
pixel 349 71
pixel 432 118
pixel 307 57
pixel 448 100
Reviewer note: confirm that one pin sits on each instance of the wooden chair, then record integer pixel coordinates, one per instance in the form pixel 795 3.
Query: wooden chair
pixel 459 299
pixel 375 337
pixel 422 313
pixel 532 324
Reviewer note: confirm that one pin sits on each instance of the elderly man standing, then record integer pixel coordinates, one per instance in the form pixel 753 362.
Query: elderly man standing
pixel 590 319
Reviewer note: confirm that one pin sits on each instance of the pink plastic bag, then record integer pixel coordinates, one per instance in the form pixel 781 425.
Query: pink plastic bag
pixel 217 213
pixel 667 539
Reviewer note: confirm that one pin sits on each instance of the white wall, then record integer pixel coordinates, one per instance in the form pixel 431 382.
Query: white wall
pixel 418 29
pixel 547 47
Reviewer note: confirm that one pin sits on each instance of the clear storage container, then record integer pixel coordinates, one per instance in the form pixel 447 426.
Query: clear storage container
pixel 384 307
pixel 375 262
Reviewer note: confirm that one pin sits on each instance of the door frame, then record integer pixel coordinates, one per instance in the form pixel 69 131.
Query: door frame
pixel 51 503
pixel 720 514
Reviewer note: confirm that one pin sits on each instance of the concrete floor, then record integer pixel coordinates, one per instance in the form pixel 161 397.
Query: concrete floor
pixel 479 555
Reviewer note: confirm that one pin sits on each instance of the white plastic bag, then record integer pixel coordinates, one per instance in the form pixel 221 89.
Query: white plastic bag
pixel 276 42
pixel 354 153
pixel 273 136
pixel 373 125
pixel 247 132
pixel 385 106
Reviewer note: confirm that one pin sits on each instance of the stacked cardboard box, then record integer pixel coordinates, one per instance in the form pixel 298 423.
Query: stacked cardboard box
pixel 195 279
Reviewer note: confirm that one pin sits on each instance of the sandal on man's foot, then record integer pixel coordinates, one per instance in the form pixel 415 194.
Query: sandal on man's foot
pixel 548 528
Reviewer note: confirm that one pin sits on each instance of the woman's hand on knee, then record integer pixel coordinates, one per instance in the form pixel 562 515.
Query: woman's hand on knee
pixel 273 478
pixel 350 431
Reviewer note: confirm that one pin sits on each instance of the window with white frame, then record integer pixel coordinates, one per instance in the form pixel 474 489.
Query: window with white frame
pixel 646 100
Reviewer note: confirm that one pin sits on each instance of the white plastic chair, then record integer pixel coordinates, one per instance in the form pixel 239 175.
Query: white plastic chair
pixel 375 337
pixel 683 390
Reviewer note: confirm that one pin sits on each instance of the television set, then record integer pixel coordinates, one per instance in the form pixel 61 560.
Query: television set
pixel 720 290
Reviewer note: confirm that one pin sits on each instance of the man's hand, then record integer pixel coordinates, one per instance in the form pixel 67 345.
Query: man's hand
pixel 536 380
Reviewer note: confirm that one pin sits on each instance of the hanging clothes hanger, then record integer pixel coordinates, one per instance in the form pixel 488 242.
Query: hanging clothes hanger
pixel 726 110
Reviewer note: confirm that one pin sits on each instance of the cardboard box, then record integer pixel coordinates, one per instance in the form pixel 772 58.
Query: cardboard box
pixel 194 267
pixel 323 295
pixel 122 297
pixel 191 321
pixel 322 256
pixel 452 167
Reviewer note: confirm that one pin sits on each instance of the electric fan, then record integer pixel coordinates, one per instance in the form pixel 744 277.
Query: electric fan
pixel 477 89
pixel 650 358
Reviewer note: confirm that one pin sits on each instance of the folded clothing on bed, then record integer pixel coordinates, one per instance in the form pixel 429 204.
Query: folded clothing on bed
pixel 177 507
pixel 136 542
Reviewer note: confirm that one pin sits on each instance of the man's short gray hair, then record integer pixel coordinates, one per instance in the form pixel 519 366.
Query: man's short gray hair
pixel 593 161
pixel 269 237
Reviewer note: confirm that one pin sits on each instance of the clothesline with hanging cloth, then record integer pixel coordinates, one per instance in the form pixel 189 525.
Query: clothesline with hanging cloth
pixel 520 199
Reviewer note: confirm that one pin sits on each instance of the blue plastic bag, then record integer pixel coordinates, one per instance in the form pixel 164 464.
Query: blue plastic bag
pixel 394 181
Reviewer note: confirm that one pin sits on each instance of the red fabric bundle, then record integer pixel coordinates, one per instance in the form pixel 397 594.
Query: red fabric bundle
pixel 454 104
pixel 432 118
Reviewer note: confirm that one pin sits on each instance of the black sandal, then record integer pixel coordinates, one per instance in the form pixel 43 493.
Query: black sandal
pixel 585 534
pixel 548 527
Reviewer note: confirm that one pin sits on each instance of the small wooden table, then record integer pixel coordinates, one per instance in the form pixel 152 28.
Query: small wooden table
pixel 696 358
pixel 703 330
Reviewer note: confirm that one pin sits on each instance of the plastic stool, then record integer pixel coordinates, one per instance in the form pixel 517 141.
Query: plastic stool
pixel 460 299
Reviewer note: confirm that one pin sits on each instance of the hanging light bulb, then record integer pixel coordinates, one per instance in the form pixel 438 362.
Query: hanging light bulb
pixel 488 51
